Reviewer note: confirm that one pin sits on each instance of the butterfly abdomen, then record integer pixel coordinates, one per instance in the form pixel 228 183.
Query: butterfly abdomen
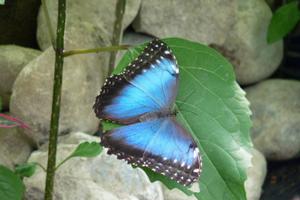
pixel 156 115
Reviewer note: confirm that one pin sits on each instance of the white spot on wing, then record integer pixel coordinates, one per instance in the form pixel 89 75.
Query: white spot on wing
pixel 196 152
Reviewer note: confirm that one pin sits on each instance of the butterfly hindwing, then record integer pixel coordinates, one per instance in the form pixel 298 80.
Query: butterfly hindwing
pixel 148 84
pixel 160 144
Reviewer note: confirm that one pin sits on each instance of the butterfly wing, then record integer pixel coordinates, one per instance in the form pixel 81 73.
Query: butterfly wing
pixel 161 144
pixel 149 84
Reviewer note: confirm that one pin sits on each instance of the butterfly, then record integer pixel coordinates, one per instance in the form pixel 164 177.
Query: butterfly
pixel 141 98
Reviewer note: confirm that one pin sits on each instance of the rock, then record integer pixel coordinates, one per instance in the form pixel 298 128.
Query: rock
pixel 175 194
pixel 15 148
pixel 12 60
pixel 237 27
pixel 18 22
pixel 82 79
pixel 99 13
pixel 255 176
pixel 257 59
pixel 102 177
pixel 276 118
pixel 134 38
pixel 195 20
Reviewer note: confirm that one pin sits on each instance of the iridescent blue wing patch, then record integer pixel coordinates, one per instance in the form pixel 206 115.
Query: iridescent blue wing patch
pixel 161 144
pixel 148 84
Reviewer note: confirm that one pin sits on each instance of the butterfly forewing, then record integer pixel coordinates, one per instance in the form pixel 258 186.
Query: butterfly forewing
pixel 148 84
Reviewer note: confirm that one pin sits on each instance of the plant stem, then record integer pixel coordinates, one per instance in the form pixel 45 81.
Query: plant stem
pixel 62 162
pixel 48 21
pixel 57 85
pixel 41 166
pixel 118 32
pixel 96 50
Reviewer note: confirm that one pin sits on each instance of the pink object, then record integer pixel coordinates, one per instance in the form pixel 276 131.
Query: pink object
pixel 16 122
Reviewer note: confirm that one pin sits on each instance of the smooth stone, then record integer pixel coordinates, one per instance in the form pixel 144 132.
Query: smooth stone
pixel 176 194
pixel 83 76
pixel 101 177
pixel 12 60
pixel 99 13
pixel 15 147
pixel 256 175
pixel 276 118
pixel 237 28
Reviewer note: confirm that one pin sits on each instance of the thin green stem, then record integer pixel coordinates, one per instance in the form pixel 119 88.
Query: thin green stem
pixel 48 21
pixel 117 33
pixel 62 162
pixel 96 50
pixel 57 86
pixel 41 166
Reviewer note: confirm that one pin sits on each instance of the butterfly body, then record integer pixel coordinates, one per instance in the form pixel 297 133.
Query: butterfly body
pixel 142 98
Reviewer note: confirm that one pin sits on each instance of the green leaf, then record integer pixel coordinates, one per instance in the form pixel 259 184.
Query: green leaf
pixel 87 149
pixel 11 186
pixel 106 125
pixel 2 2
pixel 213 108
pixel 283 21
pixel 26 169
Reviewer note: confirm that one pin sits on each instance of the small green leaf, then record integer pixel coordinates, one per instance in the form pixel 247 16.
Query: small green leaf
pixel 2 2
pixel 283 21
pixel 87 149
pixel 108 125
pixel 26 169
pixel 11 186
pixel 213 108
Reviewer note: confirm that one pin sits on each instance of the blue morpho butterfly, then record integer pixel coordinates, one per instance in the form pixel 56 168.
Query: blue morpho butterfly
pixel 141 97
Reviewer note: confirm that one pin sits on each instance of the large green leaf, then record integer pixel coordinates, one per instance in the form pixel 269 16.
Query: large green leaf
pixel 283 21
pixel 214 109
pixel 11 186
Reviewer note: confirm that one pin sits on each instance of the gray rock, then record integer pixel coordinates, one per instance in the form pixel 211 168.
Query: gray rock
pixel 102 177
pixel 276 118
pixel 134 38
pixel 175 194
pixel 82 79
pixel 99 13
pixel 255 60
pixel 255 176
pixel 12 60
pixel 237 27
pixel 15 148
pixel 195 20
